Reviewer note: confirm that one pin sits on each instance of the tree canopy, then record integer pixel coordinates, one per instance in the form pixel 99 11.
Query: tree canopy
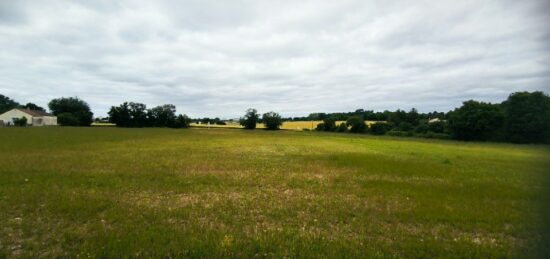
pixel 71 111
pixel 250 119
pixel 272 120
pixel 7 104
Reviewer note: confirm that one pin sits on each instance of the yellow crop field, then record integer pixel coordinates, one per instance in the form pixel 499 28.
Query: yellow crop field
pixel 287 125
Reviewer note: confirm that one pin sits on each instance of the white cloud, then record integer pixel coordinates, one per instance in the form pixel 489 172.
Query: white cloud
pixel 213 58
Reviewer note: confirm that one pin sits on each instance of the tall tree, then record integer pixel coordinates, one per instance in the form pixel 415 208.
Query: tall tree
pixel 71 111
pixel 356 124
pixel 476 121
pixel 34 107
pixel 250 119
pixel 7 104
pixel 272 120
pixel 527 117
pixel 163 116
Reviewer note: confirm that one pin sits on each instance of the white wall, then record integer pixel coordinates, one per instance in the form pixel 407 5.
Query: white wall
pixel 8 116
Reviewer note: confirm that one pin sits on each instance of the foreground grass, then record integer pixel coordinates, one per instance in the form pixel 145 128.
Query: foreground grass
pixel 213 192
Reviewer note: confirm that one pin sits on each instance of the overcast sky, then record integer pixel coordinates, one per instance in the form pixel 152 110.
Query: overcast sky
pixel 218 58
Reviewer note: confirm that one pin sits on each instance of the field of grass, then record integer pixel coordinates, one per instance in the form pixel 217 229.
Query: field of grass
pixel 111 192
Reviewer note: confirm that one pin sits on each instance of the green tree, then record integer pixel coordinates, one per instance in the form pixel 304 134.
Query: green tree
pixel 7 104
pixel 34 107
pixel 328 124
pixel 80 112
pixel 250 119
pixel 163 116
pixel 527 117
pixel 379 128
pixel 272 120
pixel 356 124
pixel 182 121
pixel 476 121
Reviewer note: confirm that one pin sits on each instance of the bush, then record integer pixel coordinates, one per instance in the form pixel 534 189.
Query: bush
pixel 434 135
pixel 67 119
pixel 422 127
pixel 328 124
pixel 182 121
pixel 343 127
pixel 320 127
pixel 356 124
pixel 398 133
pixel 21 122
pixel 272 120
pixel 405 126
pixel 379 128
pixel 437 126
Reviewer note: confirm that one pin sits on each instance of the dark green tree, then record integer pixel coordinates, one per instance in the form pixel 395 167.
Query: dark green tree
pixel 34 107
pixel 163 116
pixel 328 124
pixel 7 104
pixel 182 121
pixel 343 127
pixel 527 117
pixel 250 119
pixel 77 108
pixel 356 124
pixel 379 128
pixel 476 121
pixel 272 120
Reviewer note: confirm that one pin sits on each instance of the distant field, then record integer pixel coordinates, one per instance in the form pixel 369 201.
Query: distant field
pixel 288 125
pixel 112 192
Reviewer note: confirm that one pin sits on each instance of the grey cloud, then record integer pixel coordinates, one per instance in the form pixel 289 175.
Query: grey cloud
pixel 213 58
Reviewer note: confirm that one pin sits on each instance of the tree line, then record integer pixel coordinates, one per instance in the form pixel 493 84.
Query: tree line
pixel 524 117
pixel 131 114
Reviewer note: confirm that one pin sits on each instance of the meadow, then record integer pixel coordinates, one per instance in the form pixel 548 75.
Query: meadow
pixel 113 192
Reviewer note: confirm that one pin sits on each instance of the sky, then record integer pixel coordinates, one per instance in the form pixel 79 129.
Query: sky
pixel 218 58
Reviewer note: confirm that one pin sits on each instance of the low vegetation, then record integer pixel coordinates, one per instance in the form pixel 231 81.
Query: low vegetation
pixel 152 192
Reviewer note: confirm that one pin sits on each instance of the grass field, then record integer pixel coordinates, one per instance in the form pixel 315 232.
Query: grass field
pixel 111 192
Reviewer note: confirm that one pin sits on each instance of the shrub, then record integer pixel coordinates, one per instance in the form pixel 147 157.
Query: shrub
pixel 320 127
pixel 379 128
pixel 434 135
pixel 343 127
pixel 20 122
pixel 182 121
pixel 437 127
pixel 356 124
pixel 67 119
pixel 398 133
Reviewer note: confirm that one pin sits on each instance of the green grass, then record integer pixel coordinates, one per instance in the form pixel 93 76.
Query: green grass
pixel 110 192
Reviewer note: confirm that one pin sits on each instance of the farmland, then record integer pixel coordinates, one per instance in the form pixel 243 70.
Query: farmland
pixel 112 192
pixel 287 125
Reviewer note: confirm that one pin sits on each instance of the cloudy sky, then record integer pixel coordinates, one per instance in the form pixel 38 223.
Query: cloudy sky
pixel 217 58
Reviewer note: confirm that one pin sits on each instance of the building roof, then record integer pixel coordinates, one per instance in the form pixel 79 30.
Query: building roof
pixel 35 113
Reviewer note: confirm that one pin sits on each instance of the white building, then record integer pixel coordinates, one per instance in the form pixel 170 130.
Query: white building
pixel 34 118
